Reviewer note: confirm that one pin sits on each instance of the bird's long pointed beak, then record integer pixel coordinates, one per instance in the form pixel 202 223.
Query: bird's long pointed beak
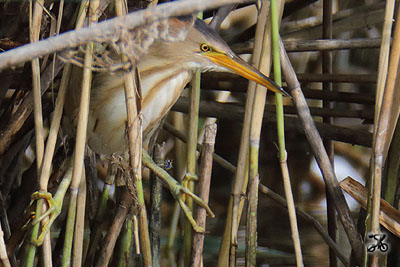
pixel 242 68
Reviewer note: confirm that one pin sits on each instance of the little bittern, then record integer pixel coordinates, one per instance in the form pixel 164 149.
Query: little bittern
pixel 164 70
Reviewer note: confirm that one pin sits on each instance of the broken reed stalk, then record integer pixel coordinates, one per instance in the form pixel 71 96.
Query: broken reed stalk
pixel 322 158
pixel 327 87
pixel 80 144
pixel 155 206
pixel 204 191
pixel 191 160
pixel 262 50
pixel 383 136
pixel 389 217
pixel 134 127
pixel 281 135
pixel 126 241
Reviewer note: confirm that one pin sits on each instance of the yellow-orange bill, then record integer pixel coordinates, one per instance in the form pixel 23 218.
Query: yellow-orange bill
pixel 242 68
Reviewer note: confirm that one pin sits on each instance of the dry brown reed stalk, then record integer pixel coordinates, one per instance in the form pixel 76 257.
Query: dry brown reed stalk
pixel 329 146
pixel 384 56
pixel 35 23
pixel 322 158
pixel 229 242
pixel 134 129
pixel 78 251
pixel 204 191
pixel 315 45
pixel 108 242
pixel 191 160
pixel 343 21
pixel 384 130
pixel 155 207
pixel 389 217
pixel 262 50
pixel 235 112
pixel 79 151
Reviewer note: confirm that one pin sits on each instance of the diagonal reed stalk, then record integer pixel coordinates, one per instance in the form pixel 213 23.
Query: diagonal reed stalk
pixel 315 141
pixel 281 136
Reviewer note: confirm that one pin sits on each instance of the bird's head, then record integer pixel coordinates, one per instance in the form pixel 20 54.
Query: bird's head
pixel 204 49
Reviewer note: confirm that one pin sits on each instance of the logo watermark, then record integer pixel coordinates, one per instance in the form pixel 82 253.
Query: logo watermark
pixel 377 242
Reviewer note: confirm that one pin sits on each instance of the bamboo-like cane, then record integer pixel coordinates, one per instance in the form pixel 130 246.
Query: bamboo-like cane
pixel 262 50
pixel 35 23
pixel 281 135
pixel 80 139
pixel 191 160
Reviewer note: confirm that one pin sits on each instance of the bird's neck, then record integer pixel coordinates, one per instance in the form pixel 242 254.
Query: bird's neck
pixel 162 82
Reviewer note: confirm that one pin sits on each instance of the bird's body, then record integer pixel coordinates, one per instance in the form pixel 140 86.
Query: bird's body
pixel 164 72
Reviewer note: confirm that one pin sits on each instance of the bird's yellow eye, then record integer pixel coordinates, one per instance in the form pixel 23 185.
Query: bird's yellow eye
pixel 204 47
